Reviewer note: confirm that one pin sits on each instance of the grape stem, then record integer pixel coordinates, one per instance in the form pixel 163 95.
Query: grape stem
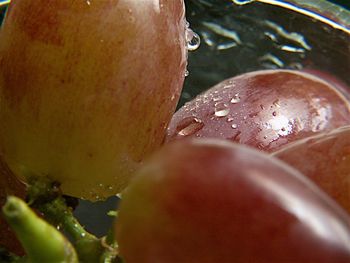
pixel 44 195
pixel 33 232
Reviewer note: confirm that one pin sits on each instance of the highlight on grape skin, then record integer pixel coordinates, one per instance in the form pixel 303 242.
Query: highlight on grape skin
pixel 264 109
pixel 71 82
pixel 324 158
pixel 214 201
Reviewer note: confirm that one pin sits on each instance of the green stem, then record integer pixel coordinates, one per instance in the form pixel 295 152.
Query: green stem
pixel 44 195
pixel 41 241
pixel 58 213
pixel 111 249
pixel 88 246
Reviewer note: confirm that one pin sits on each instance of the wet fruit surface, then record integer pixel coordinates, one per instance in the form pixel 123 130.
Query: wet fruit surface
pixel 263 109
pixel 214 201
pixel 78 103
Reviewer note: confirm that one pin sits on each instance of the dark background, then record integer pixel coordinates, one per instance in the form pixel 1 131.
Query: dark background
pixel 345 3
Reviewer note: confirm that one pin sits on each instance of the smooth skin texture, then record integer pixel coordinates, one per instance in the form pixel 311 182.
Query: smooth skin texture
pixel 263 109
pixel 215 201
pixel 87 88
pixel 325 159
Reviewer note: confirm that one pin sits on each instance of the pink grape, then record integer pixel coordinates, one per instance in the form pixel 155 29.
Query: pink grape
pixel 210 200
pixel 87 88
pixel 324 158
pixel 263 109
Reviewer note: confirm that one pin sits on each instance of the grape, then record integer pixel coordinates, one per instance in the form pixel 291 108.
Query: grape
pixel 87 88
pixel 324 158
pixel 263 109
pixel 9 185
pixel 210 200
pixel 332 80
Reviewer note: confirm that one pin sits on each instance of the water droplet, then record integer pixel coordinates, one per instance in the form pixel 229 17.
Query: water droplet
pixel 235 99
pixel 230 119
pixel 274 113
pixel 83 234
pixel 276 103
pixel 187 73
pixel 222 113
pixel 221 110
pixel 189 126
pixel 192 38
pixel 253 114
pixel 234 126
pixel 88 2
pixel 215 99
pixel 243 2
pixel 236 137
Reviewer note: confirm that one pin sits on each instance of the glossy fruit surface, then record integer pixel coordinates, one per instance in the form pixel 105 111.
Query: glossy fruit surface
pixel 324 158
pixel 215 201
pixel 263 109
pixel 87 88
pixel 9 185
pixel 332 80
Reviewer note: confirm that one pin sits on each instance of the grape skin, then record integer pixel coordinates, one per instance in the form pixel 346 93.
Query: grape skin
pixel 264 109
pixel 215 201
pixel 78 103
pixel 324 158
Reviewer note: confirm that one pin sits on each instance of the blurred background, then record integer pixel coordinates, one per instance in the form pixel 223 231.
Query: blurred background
pixel 344 3
pixel 237 38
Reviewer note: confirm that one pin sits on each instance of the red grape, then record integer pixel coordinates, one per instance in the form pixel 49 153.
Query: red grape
pixel 324 158
pixel 332 80
pixel 215 201
pixel 263 109
pixel 87 88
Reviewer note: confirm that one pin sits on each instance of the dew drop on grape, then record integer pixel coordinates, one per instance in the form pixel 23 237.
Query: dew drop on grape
pixel 192 38
pixel 189 126
pixel 235 99
pixel 222 112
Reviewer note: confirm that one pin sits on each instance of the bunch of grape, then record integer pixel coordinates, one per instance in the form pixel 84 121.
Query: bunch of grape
pixel 255 169
pixel 217 191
